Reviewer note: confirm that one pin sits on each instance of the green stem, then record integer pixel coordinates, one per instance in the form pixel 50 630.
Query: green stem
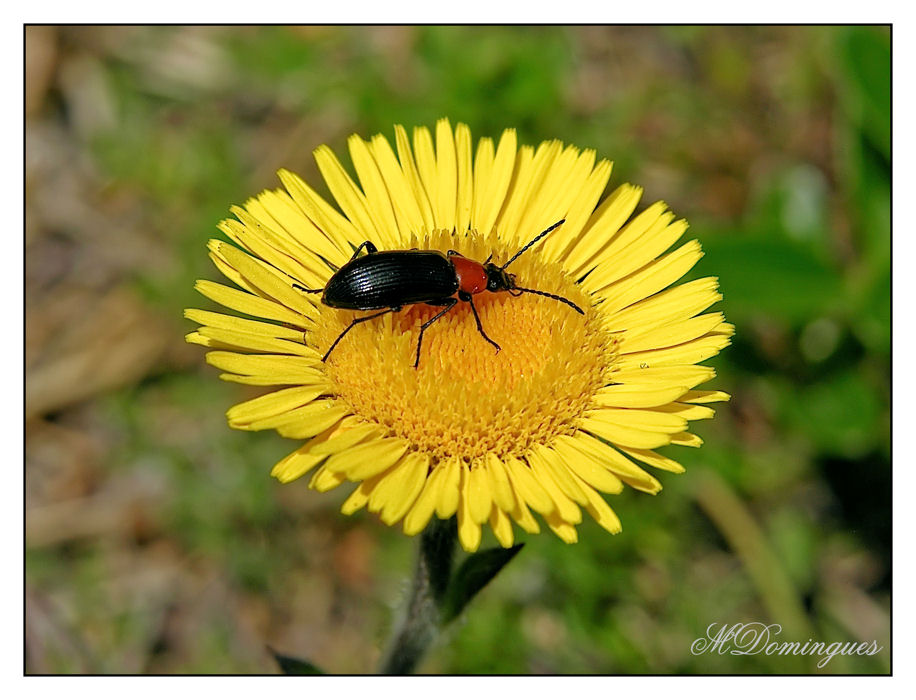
pixel 420 625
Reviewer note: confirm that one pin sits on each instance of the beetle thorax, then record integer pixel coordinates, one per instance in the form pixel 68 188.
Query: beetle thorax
pixel 472 277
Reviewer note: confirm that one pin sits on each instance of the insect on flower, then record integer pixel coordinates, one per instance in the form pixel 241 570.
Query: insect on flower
pixel 575 405
pixel 392 279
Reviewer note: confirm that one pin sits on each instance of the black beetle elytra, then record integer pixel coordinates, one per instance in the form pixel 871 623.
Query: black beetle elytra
pixel 392 279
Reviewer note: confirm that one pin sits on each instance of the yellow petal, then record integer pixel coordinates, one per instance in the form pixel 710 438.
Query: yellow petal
pixel 705 396
pixel 351 200
pixel 601 227
pixel 426 165
pixel 524 518
pixel 652 278
pixel 328 222
pixel 598 508
pixel 682 375
pixel 499 483
pixel 449 496
pixel 637 395
pixel 565 506
pixel 347 438
pixel 272 404
pixel 688 411
pixel 502 527
pixel 403 199
pixel 397 492
pixel 653 459
pixel 255 342
pixel 628 472
pixel 555 247
pixel 283 221
pixel 527 487
pixel 228 271
pixel 520 513
pixel 468 527
pixel 641 241
pixel 465 199
pixel 490 190
pixel 562 181
pixel 686 440
pixel 559 472
pixel 624 435
pixel 586 467
pixel 669 335
pixel 675 304
pixel 300 461
pixel 360 496
pixel 266 278
pixel 654 421
pixel 480 499
pixel 323 480
pixel 643 227
pixel 412 175
pixel 527 184
pixel 425 505
pixel 284 369
pixel 303 422
pixel 684 354
pixel 483 170
pixel 250 303
pixel 562 529
pixel 379 206
pixel 244 325
pixel 314 423
pixel 447 176
pixel 356 500
pixel 279 250
pixel 368 459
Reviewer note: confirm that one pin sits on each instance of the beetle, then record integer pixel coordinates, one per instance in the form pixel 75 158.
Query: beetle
pixel 392 279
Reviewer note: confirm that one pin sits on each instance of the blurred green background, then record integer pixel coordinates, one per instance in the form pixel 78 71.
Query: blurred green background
pixel 156 541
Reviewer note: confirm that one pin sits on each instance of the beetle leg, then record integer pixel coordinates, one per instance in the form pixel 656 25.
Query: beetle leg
pixel 307 291
pixel 464 296
pixel 358 320
pixel 368 245
pixel 448 304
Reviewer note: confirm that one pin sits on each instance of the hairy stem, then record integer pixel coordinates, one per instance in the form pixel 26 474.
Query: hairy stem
pixel 420 624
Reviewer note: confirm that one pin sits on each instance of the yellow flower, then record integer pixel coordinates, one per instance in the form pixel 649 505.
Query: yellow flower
pixel 570 407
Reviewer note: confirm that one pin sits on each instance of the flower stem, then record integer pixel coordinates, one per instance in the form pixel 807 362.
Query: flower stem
pixel 420 625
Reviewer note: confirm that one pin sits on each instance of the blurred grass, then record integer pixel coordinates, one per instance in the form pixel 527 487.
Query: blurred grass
pixel 156 541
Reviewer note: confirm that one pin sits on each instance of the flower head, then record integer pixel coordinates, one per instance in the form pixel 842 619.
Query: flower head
pixel 571 406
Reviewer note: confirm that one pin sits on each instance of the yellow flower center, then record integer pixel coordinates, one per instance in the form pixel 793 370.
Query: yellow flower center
pixel 466 399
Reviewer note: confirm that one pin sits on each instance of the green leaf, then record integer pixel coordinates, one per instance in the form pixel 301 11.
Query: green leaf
pixel 841 416
pixel 295 667
pixel 475 573
pixel 865 90
pixel 770 276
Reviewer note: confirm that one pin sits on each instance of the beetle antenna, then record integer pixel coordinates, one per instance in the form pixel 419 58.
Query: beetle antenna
pixel 552 296
pixel 536 239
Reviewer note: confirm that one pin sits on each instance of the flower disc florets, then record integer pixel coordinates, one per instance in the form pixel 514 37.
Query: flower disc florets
pixel 465 399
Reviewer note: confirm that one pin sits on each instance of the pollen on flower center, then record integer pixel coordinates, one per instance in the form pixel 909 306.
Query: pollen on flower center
pixel 465 399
